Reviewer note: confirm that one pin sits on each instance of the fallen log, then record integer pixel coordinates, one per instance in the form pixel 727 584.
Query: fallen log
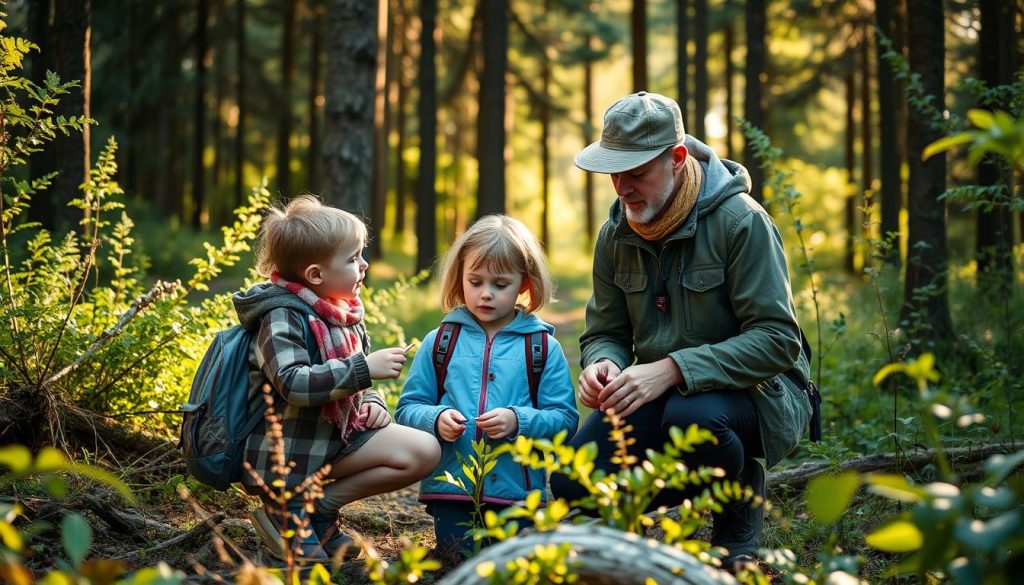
pixel 798 477
pixel 600 556
pixel 184 540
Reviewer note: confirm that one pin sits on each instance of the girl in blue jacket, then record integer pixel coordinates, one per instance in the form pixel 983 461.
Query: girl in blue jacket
pixel 486 388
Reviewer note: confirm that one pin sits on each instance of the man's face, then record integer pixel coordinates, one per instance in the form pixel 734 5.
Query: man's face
pixel 643 191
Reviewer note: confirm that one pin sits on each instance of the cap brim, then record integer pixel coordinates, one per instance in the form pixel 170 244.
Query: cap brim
pixel 598 159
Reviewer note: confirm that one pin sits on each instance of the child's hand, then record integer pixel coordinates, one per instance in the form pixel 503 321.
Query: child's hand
pixel 498 423
pixel 386 363
pixel 451 424
pixel 373 416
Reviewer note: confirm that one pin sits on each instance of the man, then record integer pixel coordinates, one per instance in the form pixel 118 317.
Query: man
pixel 691 320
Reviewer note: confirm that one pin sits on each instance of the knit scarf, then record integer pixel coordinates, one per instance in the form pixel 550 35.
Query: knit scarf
pixel 678 207
pixel 337 338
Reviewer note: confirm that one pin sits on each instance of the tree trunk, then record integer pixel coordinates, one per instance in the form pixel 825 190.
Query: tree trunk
pixel 730 72
pixel 284 105
pixel 638 27
pixel 199 216
pixel 700 78
pixel 314 100
pixel 402 62
pixel 491 127
pixel 348 128
pixel 43 203
pixel 426 109
pixel 545 151
pixel 867 153
pixel 994 246
pixel 892 187
pixel 588 137
pixel 926 306
pixel 381 121
pixel 683 57
pixel 753 108
pixel 240 90
pixel 850 245
pixel 220 91
pixel 69 59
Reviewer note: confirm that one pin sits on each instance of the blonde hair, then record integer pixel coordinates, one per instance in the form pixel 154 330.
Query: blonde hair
pixel 304 232
pixel 502 244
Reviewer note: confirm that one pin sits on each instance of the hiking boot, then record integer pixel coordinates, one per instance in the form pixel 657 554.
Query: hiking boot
pixel 738 527
pixel 327 527
pixel 306 547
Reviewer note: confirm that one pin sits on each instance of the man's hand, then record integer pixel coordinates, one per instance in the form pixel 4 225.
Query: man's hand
pixel 386 363
pixel 637 385
pixel 373 416
pixel 498 423
pixel 593 380
pixel 451 424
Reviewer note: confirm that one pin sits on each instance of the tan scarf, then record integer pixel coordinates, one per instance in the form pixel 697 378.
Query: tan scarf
pixel 678 207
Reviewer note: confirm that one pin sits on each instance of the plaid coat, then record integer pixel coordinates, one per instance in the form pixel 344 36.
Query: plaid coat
pixel 302 385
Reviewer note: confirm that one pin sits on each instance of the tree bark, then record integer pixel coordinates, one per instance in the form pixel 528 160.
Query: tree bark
pixel 199 117
pixel 314 100
pixel 849 75
pixel 348 128
pixel 994 245
pixel 426 196
pixel 402 64
pixel 700 77
pixel 753 108
pixel 588 137
pixel 240 89
pixel 867 152
pixel 43 204
pixel 381 121
pixel 284 105
pixel 683 57
pixel 491 126
pixel 730 72
pixel 638 26
pixel 545 147
pixel 891 192
pixel 926 306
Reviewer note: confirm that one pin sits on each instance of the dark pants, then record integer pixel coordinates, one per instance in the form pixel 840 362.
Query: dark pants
pixel 729 414
pixel 452 521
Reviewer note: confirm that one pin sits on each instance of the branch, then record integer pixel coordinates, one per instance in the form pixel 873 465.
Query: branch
pixel 159 289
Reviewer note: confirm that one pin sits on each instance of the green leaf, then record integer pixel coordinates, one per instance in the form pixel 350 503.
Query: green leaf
pixel 896 537
pixel 988 536
pixel 16 457
pixel 50 459
pixel 829 496
pixel 318 575
pixel 946 143
pixel 894 487
pixel 980 118
pixel 76 534
pixel 10 537
pixel 999 467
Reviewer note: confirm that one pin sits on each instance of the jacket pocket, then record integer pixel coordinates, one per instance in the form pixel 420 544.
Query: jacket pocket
pixel 700 293
pixel 783 411
pixel 631 281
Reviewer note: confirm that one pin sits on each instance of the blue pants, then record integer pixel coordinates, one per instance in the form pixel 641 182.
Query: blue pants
pixel 729 414
pixel 452 522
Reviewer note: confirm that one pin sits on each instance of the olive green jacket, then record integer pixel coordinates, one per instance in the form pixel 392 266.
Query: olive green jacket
pixel 729 322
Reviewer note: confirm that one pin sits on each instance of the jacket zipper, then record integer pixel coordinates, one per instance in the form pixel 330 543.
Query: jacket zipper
pixel 483 384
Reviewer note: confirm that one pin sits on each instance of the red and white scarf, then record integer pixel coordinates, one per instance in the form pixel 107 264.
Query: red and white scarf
pixel 337 338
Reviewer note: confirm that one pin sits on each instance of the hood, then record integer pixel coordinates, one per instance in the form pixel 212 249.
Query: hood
pixel 723 179
pixel 523 323
pixel 252 304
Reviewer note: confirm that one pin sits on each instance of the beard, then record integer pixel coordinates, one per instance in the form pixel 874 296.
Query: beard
pixel 653 209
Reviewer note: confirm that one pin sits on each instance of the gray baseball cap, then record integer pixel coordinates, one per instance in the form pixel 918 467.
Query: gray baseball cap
pixel 637 128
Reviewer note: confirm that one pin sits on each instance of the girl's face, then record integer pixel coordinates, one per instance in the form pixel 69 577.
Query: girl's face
pixel 490 296
pixel 340 277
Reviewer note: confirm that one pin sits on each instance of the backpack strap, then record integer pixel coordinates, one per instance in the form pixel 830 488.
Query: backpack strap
pixel 444 346
pixel 536 356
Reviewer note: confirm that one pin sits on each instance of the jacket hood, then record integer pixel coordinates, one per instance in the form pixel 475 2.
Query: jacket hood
pixel 523 323
pixel 252 304
pixel 723 179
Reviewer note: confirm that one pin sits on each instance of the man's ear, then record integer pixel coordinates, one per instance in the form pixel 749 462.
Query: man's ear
pixel 679 154
pixel 312 274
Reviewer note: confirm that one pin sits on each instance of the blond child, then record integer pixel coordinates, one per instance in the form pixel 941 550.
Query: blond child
pixel 486 388
pixel 313 255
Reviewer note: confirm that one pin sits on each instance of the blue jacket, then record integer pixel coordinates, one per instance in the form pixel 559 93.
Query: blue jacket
pixel 483 375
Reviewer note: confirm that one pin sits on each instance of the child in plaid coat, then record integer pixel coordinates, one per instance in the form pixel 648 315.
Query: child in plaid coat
pixel 331 422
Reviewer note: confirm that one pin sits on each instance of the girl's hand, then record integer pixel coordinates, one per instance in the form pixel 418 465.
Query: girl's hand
pixel 451 424
pixel 498 423
pixel 373 416
pixel 386 363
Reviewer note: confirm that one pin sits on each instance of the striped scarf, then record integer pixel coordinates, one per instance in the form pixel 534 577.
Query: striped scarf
pixel 337 338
